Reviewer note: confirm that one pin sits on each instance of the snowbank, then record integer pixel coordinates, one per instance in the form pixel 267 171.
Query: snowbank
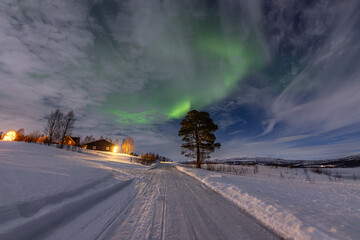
pixel 297 205
pixel 39 185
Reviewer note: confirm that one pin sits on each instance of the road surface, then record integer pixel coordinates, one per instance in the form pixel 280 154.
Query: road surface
pixel 163 204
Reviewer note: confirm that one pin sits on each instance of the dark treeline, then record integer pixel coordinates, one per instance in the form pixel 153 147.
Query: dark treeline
pixel 153 157
pixel 91 138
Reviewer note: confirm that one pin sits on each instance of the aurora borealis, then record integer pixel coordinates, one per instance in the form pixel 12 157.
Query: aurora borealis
pixel 279 77
pixel 189 67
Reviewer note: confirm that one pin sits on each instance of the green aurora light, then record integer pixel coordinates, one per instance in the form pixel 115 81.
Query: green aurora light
pixel 180 110
pixel 180 69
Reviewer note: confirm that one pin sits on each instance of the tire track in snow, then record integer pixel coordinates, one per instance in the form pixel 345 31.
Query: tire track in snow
pixel 163 220
pixel 116 217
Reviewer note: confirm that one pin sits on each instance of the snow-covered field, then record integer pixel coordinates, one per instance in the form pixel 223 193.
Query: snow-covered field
pixel 41 184
pixel 296 203
pixel 83 195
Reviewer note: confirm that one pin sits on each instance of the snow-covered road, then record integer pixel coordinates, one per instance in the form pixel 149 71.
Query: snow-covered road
pixel 162 204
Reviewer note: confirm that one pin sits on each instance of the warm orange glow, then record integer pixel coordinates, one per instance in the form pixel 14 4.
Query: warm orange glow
pixel 115 149
pixel 128 146
pixel 10 136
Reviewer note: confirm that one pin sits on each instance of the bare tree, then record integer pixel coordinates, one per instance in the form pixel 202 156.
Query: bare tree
pixel 53 126
pixel 128 146
pixel 67 126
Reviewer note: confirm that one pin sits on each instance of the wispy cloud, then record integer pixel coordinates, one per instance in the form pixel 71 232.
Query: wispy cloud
pixel 322 96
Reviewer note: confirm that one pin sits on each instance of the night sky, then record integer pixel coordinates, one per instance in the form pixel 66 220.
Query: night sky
pixel 280 78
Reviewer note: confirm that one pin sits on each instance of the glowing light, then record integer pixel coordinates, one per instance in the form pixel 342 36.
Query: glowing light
pixel 209 68
pixel 128 118
pixel 10 136
pixel 115 149
pixel 180 110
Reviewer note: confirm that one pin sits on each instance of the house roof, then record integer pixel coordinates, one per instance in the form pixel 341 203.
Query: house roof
pixel 71 138
pixel 76 140
pixel 101 141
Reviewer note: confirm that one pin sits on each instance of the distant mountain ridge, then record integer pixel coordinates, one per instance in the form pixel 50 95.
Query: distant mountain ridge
pixel 346 162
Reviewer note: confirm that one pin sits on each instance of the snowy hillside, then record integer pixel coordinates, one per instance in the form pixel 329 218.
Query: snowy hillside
pixel 297 203
pixel 40 184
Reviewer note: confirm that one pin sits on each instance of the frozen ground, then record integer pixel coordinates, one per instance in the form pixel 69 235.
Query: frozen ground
pixel 48 193
pixel 297 203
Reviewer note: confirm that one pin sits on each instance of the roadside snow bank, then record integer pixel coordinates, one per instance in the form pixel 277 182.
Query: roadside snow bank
pixel 296 209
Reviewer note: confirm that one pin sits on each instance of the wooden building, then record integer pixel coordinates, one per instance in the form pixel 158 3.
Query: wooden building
pixel 101 145
pixel 72 141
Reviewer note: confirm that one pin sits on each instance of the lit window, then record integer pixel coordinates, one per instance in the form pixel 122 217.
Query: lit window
pixel 107 148
pixel 94 147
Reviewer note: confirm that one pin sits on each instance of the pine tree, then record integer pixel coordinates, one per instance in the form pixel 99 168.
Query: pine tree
pixel 197 132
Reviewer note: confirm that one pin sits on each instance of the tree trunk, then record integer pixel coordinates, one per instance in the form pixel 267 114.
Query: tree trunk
pixel 198 160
